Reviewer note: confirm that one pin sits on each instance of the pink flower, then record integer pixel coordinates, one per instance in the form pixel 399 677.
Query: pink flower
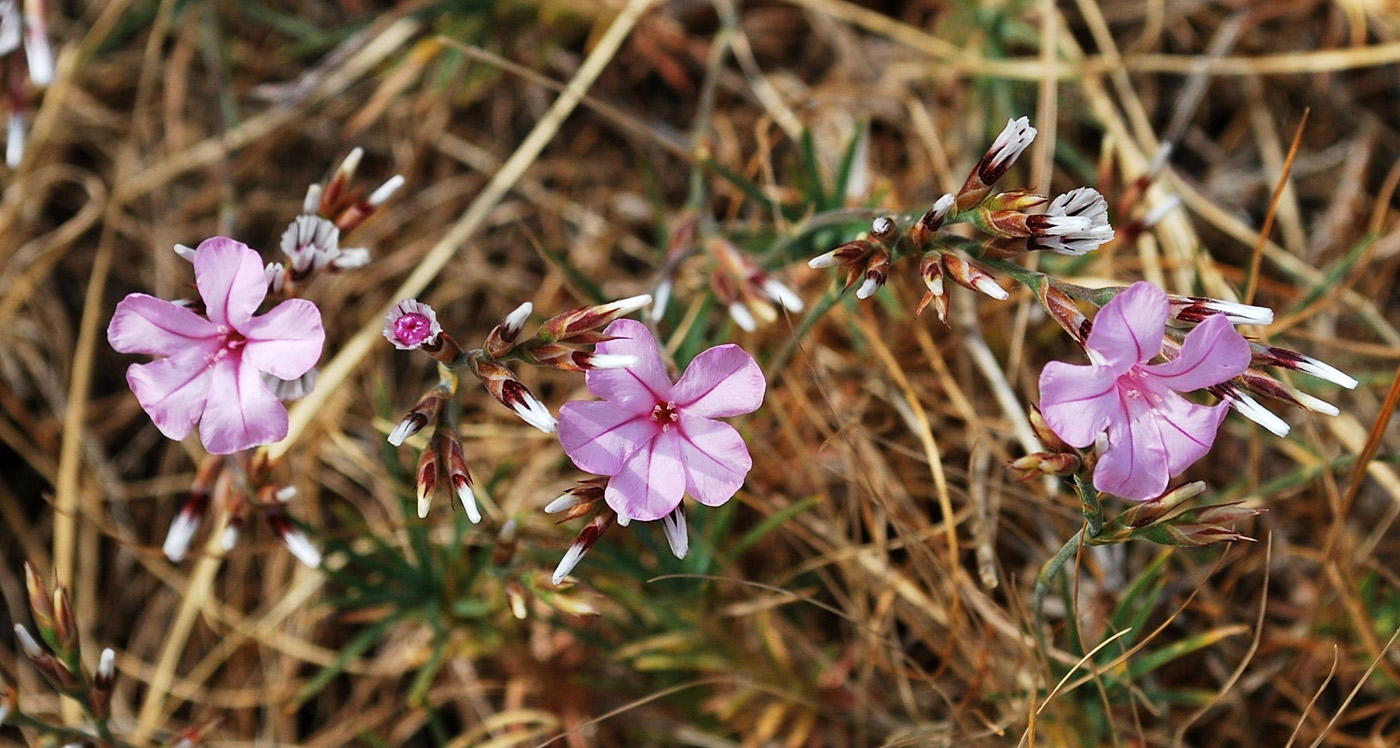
pixel 1153 433
pixel 211 370
pixel 658 440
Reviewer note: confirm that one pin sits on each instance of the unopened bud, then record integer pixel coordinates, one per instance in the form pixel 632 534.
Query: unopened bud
pixel 503 336
pixel 516 599
pixel 922 232
pixel 931 270
pixel 567 326
pixel 295 540
pixel 673 525
pixel 426 479
pixel 458 475
pixel 1249 408
pixel 102 684
pixel 1064 311
pixel 65 624
pixel 1150 512
pixel 1286 359
pixel 586 540
pixel 1195 310
pixel 40 602
pixel 1008 146
pixel 882 229
pixel 513 394
pixel 425 410
pixel 1045 463
pixel 969 275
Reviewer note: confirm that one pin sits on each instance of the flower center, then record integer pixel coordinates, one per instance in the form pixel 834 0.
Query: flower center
pixel 1134 385
pixel 230 342
pixel 665 415
pixel 413 329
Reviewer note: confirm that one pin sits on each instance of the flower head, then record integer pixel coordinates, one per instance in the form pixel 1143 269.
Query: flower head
pixel 211 368
pixel 1075 223
pixel 658 440
pixel 411 324
pixel 1153 432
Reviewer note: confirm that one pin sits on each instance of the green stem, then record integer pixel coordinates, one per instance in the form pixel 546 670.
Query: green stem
pixel 1089 501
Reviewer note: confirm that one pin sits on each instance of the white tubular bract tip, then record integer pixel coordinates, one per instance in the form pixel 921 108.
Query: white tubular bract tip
pixel 1316 405
pixel 302 548
pixel 1309 365
pixel 107 665
pixel 406 428
pixel 563 503
pixel 785 296
pixel 27 643
pixel 468 498
pixel 386 190
pixel 611 361
pixel 823 260
pixel 177 538
pixel 312 202
pixel 677 537
pixel 568 562
pixel 1252 410
pixel 868 288
pixel 741 316
pixel 516 319
pixel 991 288
pixel 229 539
pixel 536 414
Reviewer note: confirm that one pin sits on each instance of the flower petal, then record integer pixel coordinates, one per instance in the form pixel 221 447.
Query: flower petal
pixel 639 387
pixel 1079 402
pixel 1128 329
pixel 231 281
pixel 1188 430
pixel 599 436
pixel 1212 353
pixel 1135 464
pixel 285 342
pixel 244 413
pixel 173 390
pixel 145 324
pixel 722 381
pixel 651 482
pixel 715 458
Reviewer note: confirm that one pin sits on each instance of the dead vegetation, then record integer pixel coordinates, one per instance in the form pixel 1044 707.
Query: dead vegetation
pixel 871 583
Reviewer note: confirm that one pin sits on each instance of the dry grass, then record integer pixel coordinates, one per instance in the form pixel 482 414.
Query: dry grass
pixel 870 585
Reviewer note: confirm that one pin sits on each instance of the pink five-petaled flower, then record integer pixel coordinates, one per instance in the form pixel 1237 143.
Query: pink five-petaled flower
pixel 657 440
pixel 212 368
pixel 1153 433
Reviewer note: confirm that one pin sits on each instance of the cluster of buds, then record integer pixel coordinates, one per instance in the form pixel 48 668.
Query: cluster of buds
pixel 1072 224
pixel 62 663
pixel 586 500
pixel 1057 457
pixel 237 486
pixel 1165 522
pixel 560 343
pixel 23 26
pixel 329 212
pixel 748 293
pixel 1255 381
